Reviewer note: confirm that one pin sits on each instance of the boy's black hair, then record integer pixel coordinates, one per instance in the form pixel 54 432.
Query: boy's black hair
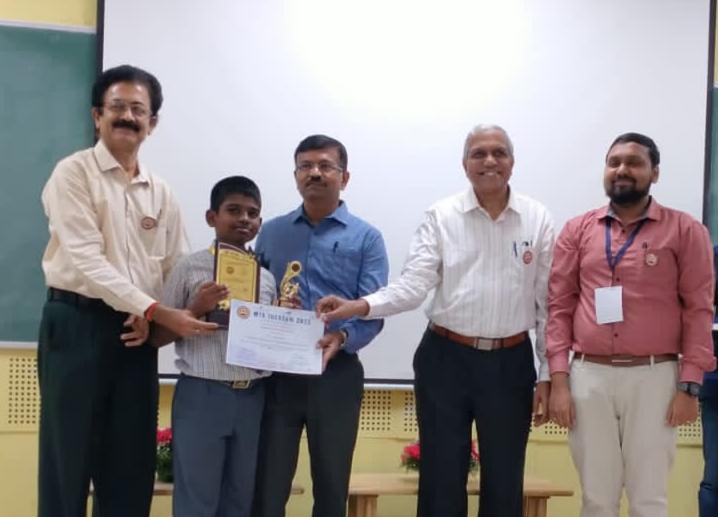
pixel 320 142
pixel 638 138
pixel 233 185
pixel 127 74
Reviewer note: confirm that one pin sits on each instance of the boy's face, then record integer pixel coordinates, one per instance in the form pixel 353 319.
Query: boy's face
pixel 237 221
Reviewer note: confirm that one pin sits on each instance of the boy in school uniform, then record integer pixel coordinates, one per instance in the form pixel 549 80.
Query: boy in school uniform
pixel 217 407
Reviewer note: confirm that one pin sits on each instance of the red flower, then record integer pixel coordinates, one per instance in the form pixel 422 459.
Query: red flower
pixel 411 456
pixel 164 435
pixel 413 451
pixel 474 452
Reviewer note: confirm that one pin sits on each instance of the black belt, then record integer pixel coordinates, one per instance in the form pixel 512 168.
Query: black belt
pixel 78 300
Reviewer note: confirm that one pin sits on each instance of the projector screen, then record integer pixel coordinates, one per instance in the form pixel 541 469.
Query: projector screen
pixel 401 83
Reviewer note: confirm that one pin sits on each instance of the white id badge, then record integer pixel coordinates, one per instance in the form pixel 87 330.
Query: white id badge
pixel 609 304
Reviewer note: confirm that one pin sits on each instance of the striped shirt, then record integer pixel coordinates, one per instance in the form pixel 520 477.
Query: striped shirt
pixel 204 356
pixel 490 276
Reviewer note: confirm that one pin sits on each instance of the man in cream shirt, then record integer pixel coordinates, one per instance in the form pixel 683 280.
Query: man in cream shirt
pixel 115 232
pixel 487 253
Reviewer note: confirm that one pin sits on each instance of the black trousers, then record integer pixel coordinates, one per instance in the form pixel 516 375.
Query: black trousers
pixel 457 386
pixel 98 416
pixel 328 405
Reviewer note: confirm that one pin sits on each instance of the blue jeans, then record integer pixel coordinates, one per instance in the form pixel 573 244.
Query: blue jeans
pixel 708 493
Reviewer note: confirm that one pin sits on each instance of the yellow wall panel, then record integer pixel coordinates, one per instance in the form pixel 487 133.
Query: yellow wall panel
pixel 77 13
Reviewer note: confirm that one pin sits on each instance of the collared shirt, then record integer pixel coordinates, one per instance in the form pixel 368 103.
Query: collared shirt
pixel 340 255
pixel 204 356
pixel 110 237
pixel 490 275
pixel 667 280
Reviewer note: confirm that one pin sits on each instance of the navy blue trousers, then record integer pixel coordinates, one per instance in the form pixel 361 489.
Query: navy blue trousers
pixel 456 387
pixel 328 406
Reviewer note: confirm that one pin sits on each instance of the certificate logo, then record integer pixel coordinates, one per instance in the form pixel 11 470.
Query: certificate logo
pixel 230 270
pixel 243 312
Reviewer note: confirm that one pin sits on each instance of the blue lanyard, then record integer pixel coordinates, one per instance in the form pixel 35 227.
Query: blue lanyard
pixel 613 261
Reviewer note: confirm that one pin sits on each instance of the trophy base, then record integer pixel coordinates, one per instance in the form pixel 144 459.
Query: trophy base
pixel 219 317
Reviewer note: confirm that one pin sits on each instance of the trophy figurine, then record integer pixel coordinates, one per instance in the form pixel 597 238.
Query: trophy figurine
pixel 288 287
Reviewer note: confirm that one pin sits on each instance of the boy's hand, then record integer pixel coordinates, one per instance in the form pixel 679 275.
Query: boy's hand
pixel 140 331
pixel 207 298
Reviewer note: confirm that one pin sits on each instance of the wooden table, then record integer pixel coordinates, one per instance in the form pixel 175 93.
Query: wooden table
pixel 162 488
pixel 365 489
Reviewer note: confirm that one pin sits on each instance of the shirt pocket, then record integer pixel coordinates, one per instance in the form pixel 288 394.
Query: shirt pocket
pixel 657 266
pixel 525 257
pixel 344 266
pixel 152 231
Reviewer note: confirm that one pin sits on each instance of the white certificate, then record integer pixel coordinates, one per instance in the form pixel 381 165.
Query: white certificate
pixel 266 337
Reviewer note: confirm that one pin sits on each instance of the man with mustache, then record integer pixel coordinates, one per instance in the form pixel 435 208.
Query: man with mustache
pixel 485 252
pixel 115 232
pixel 631 291
pixel 340 254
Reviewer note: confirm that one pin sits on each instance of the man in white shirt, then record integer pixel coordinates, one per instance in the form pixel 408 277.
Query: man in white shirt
pixel 115 232
pixel 487 253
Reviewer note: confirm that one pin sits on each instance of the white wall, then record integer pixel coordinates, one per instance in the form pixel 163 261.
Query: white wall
pixel 400 83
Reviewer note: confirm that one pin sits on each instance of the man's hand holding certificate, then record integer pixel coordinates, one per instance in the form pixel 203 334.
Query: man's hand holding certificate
pixel 273 338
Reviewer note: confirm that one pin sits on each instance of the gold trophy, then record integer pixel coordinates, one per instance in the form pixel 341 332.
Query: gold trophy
pixel 238 270
pixel 288 287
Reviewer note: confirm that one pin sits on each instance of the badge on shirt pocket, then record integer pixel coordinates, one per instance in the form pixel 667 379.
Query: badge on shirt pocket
pixel 148 223
pixel 152 233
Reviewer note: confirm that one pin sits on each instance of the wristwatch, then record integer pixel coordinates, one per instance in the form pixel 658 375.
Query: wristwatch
pixel 345 337
pixel 692 388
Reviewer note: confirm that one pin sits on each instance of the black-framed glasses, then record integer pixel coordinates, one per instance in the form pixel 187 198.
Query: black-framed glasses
pixel 323 167
pixel 121 107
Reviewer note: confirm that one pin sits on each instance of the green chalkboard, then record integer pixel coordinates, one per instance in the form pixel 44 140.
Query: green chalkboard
pixel 45 82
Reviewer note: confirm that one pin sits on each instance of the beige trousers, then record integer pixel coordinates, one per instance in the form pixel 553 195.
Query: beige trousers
pixel 621 438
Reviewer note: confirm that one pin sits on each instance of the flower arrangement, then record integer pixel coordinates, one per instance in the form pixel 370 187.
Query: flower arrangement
pixel 164 454
pixel 411 457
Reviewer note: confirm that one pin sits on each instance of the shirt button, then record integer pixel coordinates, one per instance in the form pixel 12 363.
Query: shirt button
pixel 615 335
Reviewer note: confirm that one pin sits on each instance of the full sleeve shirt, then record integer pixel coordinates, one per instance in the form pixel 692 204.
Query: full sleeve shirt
pixel 489 276
pixel 110 237
pixel 341 255
pixel 667 280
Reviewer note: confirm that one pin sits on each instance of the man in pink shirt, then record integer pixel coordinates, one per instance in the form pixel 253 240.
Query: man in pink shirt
pixel 631 294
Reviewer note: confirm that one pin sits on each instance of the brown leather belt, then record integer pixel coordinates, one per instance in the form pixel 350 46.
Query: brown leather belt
pixel 625 360
pixel 479 343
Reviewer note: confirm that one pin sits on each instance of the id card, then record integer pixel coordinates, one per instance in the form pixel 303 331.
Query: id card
pixel 609 304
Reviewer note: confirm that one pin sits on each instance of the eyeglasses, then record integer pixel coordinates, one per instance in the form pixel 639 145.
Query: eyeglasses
pixel 121 107
pixel 323 167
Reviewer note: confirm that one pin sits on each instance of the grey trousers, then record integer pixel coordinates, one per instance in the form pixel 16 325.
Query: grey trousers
pixel 214 447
